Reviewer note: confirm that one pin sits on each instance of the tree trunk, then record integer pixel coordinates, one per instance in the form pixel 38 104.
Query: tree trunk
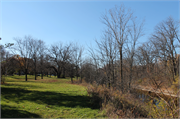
pixel 121 71
pixel 71 80
pixel 130 77
pixel 76 73
pixel 175 70
pixel 58 75
pixel 35 69
pixel 112 72
pixel 26 73
pixel 47 74
pixel 81 79
pixel 41 75
pixel 81 76
pixel 35 75
pixel 63 76
pixel 19 73
pixel 178 66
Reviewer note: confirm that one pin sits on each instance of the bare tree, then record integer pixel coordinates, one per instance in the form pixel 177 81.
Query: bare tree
pixel 77 58
pixel 135 31
pixel 7 65
pixel 93 64
pixel 107 50
pixel 55 56
pixel 33 44
pixel 117 20
pixel 81 69
pixel 165 39
pixel 71 67
pixel 41 56
pixel 146 55
pixel 37 48
pixel 89 73
pixel 60 54
pixel 2 58
pixel 22 47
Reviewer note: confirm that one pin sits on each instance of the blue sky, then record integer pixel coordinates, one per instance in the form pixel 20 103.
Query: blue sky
pixel 79 21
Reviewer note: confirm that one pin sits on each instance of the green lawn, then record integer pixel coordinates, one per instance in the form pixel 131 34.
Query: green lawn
pixel 45 98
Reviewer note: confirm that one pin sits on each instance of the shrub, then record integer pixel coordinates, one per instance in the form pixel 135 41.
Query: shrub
pixel 114 103
pixel 139 81
pixel 175 85
pixel 3 79
pixel 162 110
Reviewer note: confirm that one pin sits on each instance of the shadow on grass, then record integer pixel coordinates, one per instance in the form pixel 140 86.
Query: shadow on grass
pixel 12 112
pixel 20 80
pixel 23 85
pixel 32 80
pixel 20 77
pixel 48 98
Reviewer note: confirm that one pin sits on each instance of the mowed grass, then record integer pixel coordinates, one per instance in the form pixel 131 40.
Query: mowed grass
pixel 45 98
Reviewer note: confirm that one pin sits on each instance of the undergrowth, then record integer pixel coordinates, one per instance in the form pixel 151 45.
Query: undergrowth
pixel 175 85
pixel 118 105
pixel 163 110
pixel 114 103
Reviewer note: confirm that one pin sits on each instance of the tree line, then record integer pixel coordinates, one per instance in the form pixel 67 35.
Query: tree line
pixel 119 59
pixel 32 56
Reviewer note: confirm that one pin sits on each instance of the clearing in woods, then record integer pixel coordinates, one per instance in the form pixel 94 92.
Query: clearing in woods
pixel 45 98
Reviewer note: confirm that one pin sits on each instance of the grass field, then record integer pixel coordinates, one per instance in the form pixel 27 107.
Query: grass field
pixel 45 98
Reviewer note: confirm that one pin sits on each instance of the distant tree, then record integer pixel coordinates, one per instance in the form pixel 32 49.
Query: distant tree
pixel 93 64
pixel 20 63
pixel 77 58
pixel 146 55
pixel 42 56
pixel 23 48
pixel 89 71
pixel 59 54
pixel 2 58
pixel 7 67
pixel 2 52
pixel 8 62
pixel 12 65
pixel 33 44
pixel 71 69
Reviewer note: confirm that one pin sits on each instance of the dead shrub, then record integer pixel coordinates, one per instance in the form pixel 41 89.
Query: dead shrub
pixel 114 103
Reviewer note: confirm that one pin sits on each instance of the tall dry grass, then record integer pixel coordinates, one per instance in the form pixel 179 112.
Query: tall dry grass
pixel 114 103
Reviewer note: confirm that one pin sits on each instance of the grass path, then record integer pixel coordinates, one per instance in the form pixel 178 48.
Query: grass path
pixel 45 98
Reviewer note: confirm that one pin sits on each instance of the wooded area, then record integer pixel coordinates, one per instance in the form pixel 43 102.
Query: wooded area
pixel 120 60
